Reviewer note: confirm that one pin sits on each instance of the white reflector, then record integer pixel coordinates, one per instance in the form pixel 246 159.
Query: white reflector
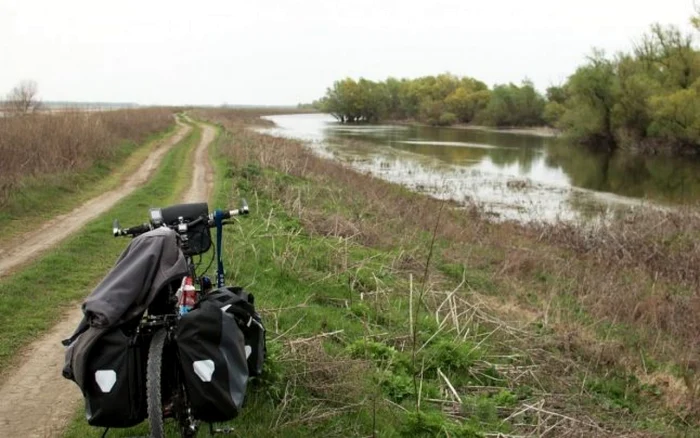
pixel 204 369
pixel 105 379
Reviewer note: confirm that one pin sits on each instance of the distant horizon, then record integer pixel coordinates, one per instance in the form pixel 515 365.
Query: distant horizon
pixel 279 53
pixel 67 103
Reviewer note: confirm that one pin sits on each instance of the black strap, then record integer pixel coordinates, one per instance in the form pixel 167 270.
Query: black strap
pixel 82 328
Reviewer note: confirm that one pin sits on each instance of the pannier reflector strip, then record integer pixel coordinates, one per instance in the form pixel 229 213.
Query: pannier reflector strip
pixel 105 379
pixel 204 369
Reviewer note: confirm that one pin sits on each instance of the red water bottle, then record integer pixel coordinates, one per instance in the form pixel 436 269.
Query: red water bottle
pixel 188 296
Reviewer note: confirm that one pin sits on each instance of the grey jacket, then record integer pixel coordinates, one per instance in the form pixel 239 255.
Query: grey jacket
pixel 150 262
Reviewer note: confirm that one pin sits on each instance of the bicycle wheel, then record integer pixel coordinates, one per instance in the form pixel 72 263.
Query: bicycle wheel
pixel 188 426
pixel 154 374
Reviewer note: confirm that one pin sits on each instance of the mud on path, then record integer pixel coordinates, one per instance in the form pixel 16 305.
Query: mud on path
pixel 35 400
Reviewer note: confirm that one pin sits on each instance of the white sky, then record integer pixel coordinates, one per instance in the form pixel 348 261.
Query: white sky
pixel 285 52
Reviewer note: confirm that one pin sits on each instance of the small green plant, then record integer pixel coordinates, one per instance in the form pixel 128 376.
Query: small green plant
pixel 434 424
pixel 617 391
pixel 273 377
pixel 450 356
pixel 398 387
pixel 251 171
pixel 505 398
pixel 376 351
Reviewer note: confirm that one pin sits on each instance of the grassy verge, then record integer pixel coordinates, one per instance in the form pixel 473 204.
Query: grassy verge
pixel 32 300
pixel 50 195
pixel 390 314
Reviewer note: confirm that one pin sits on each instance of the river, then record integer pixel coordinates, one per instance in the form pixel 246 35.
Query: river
pixel 510 176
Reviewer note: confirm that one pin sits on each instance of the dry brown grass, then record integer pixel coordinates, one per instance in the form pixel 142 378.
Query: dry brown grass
pixel 318 385
pixel 642 270
pixel 244 117
pixel 36 145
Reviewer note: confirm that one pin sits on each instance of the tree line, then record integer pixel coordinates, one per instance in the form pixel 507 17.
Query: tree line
pixel 648 98
pixel 444 99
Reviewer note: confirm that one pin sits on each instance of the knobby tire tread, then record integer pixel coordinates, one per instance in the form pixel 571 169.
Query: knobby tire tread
pixel 153 384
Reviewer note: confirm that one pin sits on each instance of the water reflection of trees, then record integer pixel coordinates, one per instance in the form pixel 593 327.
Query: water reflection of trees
pixel 524 157
pixel 657 178
pixel 502 149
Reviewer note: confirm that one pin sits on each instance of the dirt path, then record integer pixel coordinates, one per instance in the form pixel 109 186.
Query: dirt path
pixel 202 177
pixel 35 401
pixel 28 246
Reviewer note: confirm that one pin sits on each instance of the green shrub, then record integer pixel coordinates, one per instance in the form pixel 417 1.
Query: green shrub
pixel 447 119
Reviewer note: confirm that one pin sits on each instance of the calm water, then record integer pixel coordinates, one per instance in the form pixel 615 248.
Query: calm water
pixel 512 176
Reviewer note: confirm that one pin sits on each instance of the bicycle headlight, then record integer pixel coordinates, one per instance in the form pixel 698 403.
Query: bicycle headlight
pixel 156 217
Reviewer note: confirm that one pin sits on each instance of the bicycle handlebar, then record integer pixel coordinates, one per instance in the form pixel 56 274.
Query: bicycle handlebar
pixel 148 226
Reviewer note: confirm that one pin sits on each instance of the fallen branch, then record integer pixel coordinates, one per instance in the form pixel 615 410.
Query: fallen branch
pixel 452 388
pixel 322 335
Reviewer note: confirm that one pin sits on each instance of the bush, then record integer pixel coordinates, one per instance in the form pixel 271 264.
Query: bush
pixel 512 105
pixel 447 119
pixel 552 113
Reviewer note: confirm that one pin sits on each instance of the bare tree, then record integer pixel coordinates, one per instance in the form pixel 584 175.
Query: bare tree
pixel 23 98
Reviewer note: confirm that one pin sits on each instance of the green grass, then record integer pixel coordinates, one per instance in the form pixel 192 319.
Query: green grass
pixel 34 299
pixel 47 197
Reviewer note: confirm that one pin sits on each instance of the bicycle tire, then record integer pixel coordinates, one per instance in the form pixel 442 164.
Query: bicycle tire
pixel 154 372
pixel 188 428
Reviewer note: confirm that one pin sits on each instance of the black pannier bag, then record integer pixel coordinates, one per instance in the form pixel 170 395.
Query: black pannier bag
pixel 198 236
pixel 213 359
pixel 104 356
pixel 113 370
pixel 241 304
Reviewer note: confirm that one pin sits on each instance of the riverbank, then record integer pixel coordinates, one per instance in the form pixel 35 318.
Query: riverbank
pixel 538 131
pixel 381 287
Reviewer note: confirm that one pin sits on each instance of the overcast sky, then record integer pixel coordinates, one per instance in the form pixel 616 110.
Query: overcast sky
pixel 285 52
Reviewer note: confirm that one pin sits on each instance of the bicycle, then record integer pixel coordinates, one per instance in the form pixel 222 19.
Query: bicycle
pixel 166 393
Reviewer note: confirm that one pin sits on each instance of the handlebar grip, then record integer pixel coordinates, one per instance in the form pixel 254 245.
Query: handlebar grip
pixel 228 214
pixel 133 231
pixel 238 212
